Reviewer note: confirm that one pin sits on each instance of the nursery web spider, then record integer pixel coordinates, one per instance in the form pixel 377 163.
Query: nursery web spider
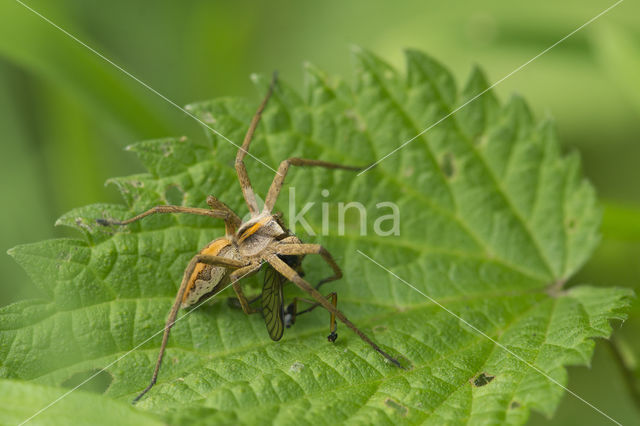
pixel 246 247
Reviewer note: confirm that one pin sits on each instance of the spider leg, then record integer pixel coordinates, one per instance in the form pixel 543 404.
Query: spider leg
pixel 233 222
pixel 210 260
pixel 293 276
pixel 235 277
pixel 278 180
pixel 302 249
pixel 241 170
pixel 235 303
pixel 220 214
pixel 292 310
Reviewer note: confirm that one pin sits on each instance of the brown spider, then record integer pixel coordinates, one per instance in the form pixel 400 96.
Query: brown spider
pixel 245 248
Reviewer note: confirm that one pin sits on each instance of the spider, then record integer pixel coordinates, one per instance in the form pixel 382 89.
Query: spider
pixel 246 247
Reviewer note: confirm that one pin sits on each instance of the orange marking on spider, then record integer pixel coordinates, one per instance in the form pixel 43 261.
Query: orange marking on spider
pixel 213 249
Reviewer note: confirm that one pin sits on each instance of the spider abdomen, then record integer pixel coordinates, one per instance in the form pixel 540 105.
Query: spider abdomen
pixel 206 279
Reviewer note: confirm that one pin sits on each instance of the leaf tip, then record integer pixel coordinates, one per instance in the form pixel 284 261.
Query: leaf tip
pixel 363 56
pixel 12 252
pixel 517 105
pixel 478 78
pixel 417 56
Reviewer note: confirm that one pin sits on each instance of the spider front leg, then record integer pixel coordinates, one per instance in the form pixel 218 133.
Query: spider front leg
pixel 291 313
pixel 241 169
pixel 278 180
pixel 219 214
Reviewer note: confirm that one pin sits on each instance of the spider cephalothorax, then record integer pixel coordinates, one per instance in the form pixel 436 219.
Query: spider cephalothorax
pixel 263 240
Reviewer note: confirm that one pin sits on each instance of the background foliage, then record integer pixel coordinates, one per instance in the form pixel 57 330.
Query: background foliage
pixel 64 113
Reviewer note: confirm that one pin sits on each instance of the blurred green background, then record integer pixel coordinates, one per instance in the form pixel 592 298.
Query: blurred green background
pixel 66 115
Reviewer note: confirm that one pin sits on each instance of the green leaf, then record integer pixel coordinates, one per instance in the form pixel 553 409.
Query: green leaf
pixel 493 221
pixel 20 400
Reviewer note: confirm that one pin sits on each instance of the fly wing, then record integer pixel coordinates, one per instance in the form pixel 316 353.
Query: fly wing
pixel 273 303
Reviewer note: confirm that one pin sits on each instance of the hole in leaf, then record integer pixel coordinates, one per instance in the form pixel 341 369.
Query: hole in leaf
pixel 448 165
pixel 397 407
pixel 98 384
pixel 514 404
pixel 174 195
pixel 482 379
pixel 296 367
